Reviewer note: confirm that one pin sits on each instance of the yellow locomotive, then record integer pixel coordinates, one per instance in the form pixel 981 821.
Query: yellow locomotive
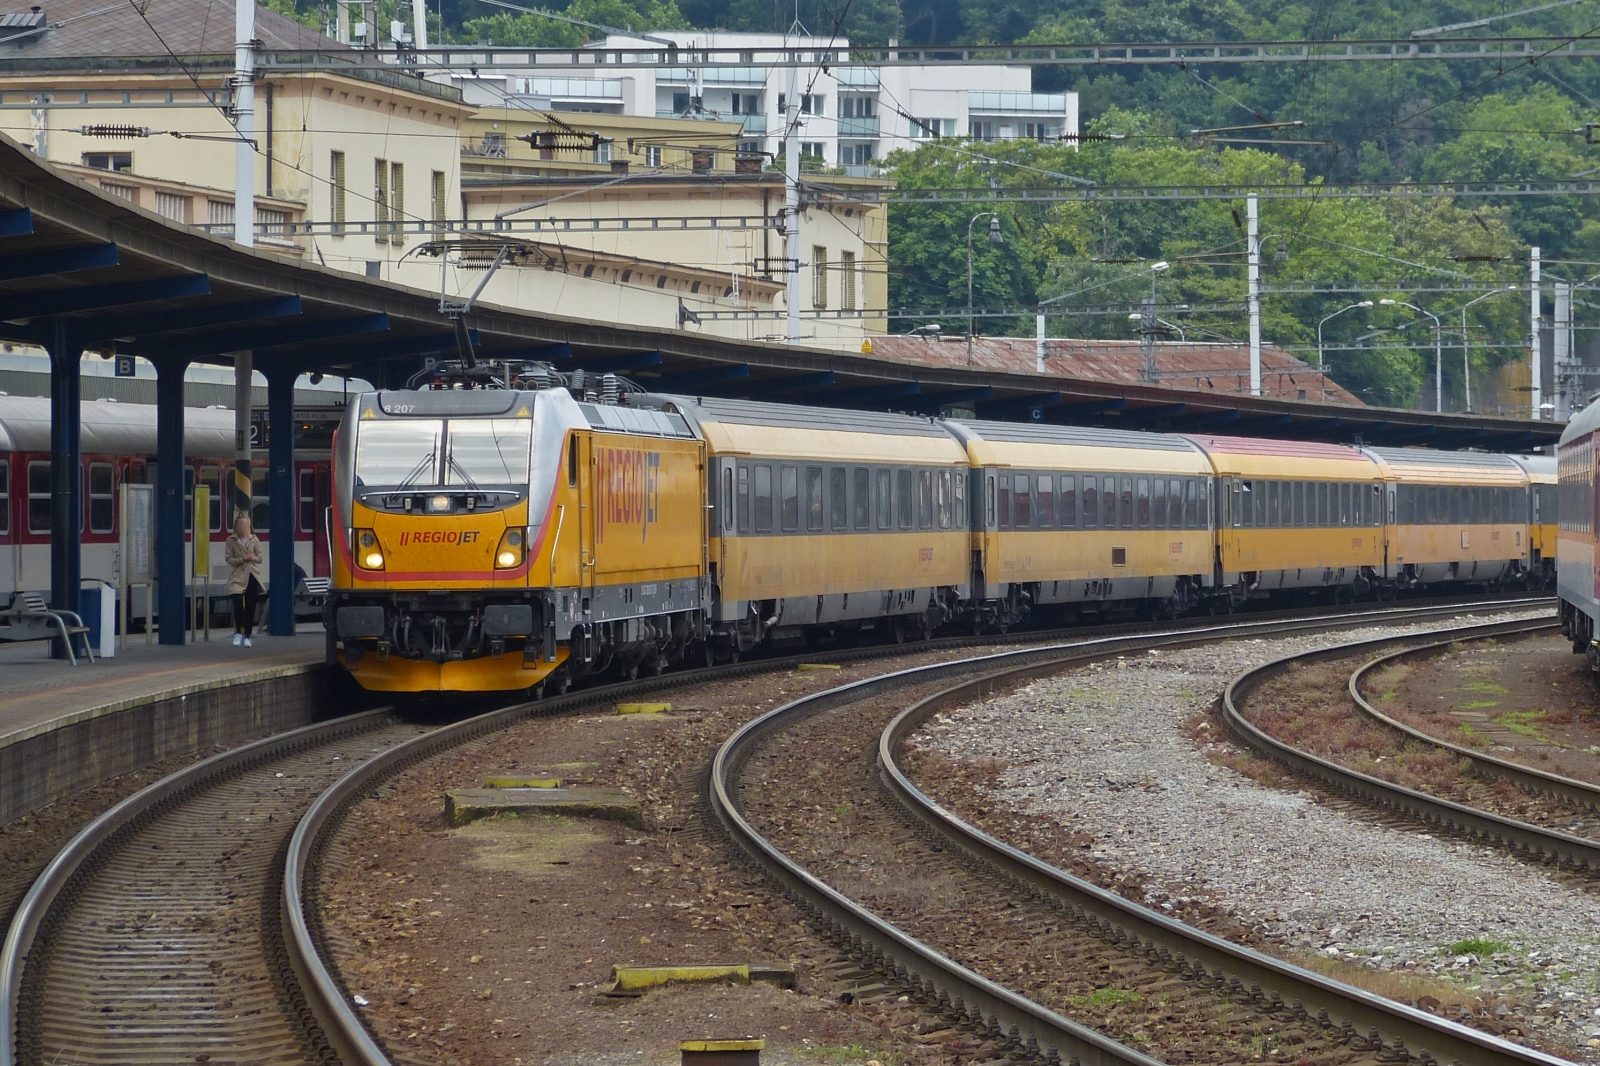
pixel 504 539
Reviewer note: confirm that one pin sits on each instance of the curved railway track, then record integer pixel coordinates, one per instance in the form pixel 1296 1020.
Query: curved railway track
pixel 164 932
pixel 1292 996
pixel 1540 842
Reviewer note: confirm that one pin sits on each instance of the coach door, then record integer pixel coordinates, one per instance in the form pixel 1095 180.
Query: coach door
pixel 586 505
pixel 320 554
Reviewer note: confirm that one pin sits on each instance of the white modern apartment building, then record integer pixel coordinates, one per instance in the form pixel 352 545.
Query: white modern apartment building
pixel 851 116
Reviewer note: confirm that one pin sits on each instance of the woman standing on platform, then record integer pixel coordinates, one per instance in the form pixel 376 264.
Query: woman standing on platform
pixel 243 554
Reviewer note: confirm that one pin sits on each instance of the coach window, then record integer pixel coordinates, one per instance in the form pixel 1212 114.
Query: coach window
pixel 838 498
pixel 260 502
pixel 39 497
pixel 1108 500
pixel 1069 501
pixel 211 478
pixel 863 501
pixel 188 498
pixel 308 500
pixel 1091 502
pixel 5 498
pixel 1144 503
pixel 1158 503
pixel 789 489
pixel 904 504
pixel 101 498
pixel 961 498
pixel 1191 505
pixel 763 498
pixel 1125 512
pixel 814 498
pixel 1047 500
pixel 1204 517
pixel 945 506
pixel 925 499
pixel 744 498
pixel 885 500
pixel 1024 494
pixel 1005 501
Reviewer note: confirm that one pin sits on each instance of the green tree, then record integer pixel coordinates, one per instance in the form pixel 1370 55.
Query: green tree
pixel 537 31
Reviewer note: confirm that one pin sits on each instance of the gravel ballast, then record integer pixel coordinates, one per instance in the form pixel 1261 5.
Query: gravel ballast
pixel 1105 752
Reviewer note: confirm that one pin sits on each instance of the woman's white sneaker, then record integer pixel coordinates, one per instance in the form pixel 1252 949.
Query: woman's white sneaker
pixel 238 639
pixel 247 642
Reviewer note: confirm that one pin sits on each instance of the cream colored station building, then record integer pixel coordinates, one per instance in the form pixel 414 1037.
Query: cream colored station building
pixel 370 173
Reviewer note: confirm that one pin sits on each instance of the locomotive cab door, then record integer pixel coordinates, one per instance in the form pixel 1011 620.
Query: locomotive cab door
pixel 586 515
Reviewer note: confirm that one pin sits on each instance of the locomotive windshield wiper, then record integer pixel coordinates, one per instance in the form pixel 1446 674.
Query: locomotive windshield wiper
pixel 466 478
pixel 422 467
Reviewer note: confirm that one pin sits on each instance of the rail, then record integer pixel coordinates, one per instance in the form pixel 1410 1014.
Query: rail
pixel 1578 792
pixel 965 992
pixel 1494 828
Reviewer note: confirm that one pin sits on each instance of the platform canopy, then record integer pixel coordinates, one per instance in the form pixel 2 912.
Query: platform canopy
pixel 82 270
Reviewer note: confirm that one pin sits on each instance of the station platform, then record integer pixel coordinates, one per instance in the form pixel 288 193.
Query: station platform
pixel 39 693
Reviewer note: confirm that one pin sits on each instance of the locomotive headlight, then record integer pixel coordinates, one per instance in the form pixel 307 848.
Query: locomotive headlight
pixel 368 551
pixel 508 554
pixel 440 505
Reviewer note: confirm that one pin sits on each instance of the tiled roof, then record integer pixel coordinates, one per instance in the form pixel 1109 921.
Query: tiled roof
pixel 187 27
pixel 1207 367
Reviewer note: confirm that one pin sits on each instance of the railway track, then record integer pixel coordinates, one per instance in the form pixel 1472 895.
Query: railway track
pixel 1234 977
pixel 164 931
pixel 1543 843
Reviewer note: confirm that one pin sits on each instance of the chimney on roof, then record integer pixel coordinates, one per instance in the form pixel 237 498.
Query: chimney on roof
pixel 747 163
pixel 619 166
pixel 701 160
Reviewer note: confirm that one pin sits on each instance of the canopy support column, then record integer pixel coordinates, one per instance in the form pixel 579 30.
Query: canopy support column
pixel 283 501
pixel 172 558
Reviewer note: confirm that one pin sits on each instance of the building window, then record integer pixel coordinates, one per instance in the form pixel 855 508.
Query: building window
pixel 746 104
pixel 219 216
pixel 124 192
pixel 680 103
pixel 122 162
pixel 171 205
pixel 819 277
pixel 749 147
pixel 926 128
pixel 39 497
pixel 847 278
pixel 602 152
pixel 814 149
pixel 810 103
pixel 380 200
pixel 855 155
pixel 441 211
pixel 397 204
pixel 652 155
pixel 857 107
pixel 982 131
pixel 336 176
pixel 272 225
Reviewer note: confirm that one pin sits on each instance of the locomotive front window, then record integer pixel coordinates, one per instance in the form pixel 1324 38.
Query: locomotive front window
pixel 398 454
pixel 488 451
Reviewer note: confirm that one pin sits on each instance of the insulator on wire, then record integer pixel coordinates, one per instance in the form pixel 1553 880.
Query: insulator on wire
pixel 118 132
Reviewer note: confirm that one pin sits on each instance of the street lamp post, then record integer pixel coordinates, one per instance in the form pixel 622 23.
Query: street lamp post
pixel 1466 367
pixel 1322 363
pixel 1438 353
pixel 995 237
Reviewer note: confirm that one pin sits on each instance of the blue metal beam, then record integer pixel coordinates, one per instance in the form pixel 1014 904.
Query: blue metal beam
pixel 1198 423
pixel 66 471
pixel 17 222
pixel 610 364
pixel 1031 406
pixel 691 380
pixel 1251 426
pixel 944 399
pixel 819 379
pixel 58 261
pixel 547 352
pixel 138 327
pixel 1154 413
pixel 428 344
pixel 873 394
pixel 1068 411
pixel 209 345
pixel 94 297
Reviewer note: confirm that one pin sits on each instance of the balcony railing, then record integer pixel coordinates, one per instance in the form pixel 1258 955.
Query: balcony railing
pixel 755 123
pixel 858 127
